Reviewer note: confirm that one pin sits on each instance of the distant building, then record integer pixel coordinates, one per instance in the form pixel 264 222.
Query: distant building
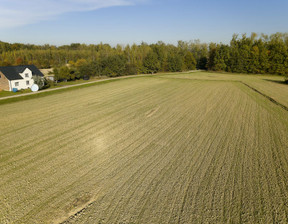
pixel 18 77
pixel 48 73
pixel 50 77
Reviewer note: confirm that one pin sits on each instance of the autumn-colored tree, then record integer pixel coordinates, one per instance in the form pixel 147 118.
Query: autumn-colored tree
pixel 19 61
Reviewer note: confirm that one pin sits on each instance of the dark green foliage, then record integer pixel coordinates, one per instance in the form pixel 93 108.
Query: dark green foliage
pixel 84 70
pixel 202 63
pixel 254 54
pixel 102 59
pixel 219 58
pixel 175 63
pixel 65 73
pixel 278 55
pixel 114 65
pixel 40 81
pixel 131 69
pixel 257 55
pixel 189 61
pixel 151 63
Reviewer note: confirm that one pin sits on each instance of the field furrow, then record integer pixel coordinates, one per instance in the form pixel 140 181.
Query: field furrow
pixel 163 149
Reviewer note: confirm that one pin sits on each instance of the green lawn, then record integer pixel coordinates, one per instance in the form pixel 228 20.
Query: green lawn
pixel 8 93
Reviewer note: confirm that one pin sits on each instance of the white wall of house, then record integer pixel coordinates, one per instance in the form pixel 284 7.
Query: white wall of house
pixel 24 83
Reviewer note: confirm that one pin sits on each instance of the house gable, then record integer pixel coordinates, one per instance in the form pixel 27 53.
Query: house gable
pixel 35 71
pixel 26 74
pixel 4 82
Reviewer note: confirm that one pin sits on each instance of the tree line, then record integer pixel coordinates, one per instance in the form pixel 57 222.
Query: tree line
pixel 103 59
pixel 255 54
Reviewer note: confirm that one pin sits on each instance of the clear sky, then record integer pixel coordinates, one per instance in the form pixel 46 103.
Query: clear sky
pixel 61 22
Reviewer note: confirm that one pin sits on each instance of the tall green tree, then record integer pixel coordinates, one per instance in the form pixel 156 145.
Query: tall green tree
pixel 175 63
pixel 151 63
pixel 189 61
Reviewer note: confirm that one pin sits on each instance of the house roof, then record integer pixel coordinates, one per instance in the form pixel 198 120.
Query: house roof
pixel 12 72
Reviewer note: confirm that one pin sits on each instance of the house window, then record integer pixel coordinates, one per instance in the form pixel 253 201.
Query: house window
pixel 27 82
pixel 16 83
pixel 26 75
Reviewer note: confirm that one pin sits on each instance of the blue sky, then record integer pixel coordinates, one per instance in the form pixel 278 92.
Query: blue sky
pixel 61 22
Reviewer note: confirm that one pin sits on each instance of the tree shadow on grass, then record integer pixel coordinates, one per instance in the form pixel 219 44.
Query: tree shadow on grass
pixel 277 81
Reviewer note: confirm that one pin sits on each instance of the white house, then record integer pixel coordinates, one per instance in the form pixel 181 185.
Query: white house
pixel 18 77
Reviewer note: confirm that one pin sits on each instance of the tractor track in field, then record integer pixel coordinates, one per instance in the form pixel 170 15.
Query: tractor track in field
pixel 250 87
pixel 266 96
pixel 73 216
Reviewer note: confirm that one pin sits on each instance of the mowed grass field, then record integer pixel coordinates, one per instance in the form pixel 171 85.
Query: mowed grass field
pixel 181 148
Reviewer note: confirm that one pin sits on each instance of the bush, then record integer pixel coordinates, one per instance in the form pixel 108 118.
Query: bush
pixel 25 90
pixel 40 81
pixel 48 83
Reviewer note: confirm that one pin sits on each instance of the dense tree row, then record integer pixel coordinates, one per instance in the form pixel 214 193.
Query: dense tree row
pixel 105 60
pixel 254 54
pixel 258 55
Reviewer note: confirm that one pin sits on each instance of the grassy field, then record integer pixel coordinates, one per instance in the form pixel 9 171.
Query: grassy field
pixel 55 86
pixel 177 148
